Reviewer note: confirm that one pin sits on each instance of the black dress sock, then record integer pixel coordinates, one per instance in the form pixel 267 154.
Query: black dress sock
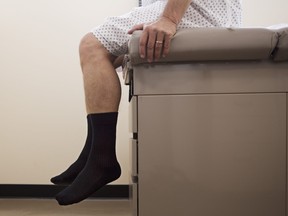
pixel 69 175
pixel 101 167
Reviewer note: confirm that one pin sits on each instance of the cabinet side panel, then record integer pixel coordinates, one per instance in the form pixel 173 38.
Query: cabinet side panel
pixel 217 155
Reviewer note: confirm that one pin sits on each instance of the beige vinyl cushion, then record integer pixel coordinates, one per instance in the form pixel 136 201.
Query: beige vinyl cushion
pixel 281 50
pixel 217 44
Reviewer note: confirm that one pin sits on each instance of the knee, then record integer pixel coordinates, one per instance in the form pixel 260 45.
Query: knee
pixel 91 50
pixel 87 47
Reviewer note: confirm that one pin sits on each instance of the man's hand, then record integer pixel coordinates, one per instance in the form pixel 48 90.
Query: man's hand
pixel 156 38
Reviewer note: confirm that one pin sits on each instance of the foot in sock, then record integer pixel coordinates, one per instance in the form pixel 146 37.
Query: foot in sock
pixel 68 176
pixel 101 167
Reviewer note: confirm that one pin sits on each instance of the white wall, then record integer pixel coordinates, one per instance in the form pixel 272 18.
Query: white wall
pixel 42 118
pixel 264 12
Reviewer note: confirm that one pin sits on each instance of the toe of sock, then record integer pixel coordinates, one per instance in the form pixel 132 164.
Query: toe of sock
pixel 61 199
pixel 54 180
pixel 60 181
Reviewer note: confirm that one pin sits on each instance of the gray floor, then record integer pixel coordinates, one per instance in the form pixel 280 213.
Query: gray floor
pixel 43 207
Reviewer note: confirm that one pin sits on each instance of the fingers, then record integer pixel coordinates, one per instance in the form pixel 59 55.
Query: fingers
pixel 160 41
pixel 143 43
pixel 147 42
pixel 135 28
pixel 151 45
pixel 154 45
pixel 155 39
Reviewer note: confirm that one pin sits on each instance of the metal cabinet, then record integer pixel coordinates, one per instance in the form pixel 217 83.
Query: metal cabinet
pixel 219 149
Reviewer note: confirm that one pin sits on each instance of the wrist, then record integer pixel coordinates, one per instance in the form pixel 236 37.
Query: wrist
pixel 170 19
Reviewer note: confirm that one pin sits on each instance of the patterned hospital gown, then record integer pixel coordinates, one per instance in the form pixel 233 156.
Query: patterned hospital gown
pixel 201 13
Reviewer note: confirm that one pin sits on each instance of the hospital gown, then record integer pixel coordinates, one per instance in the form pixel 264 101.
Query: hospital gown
pixel 201 13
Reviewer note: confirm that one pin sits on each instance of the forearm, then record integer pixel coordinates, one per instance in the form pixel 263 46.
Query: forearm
pixel 175 9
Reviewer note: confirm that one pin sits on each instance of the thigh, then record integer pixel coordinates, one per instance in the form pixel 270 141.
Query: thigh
pixel 201 13
pixel 113 32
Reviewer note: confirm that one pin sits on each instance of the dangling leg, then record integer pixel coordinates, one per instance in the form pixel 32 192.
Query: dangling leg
pixel 69 175
pixel 102 95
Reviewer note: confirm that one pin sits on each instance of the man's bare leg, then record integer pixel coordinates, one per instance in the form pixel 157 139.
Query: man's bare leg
pixel 69 175
pixel 101 83
pixel 102 95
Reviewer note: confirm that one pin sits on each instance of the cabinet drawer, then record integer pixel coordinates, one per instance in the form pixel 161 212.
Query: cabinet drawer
pixel 133 125
pixel 134 157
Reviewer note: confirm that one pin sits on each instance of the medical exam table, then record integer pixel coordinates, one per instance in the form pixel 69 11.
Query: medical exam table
pixel 209 124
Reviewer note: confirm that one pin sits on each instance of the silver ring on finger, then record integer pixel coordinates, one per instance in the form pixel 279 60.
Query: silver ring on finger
pixel 158 43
